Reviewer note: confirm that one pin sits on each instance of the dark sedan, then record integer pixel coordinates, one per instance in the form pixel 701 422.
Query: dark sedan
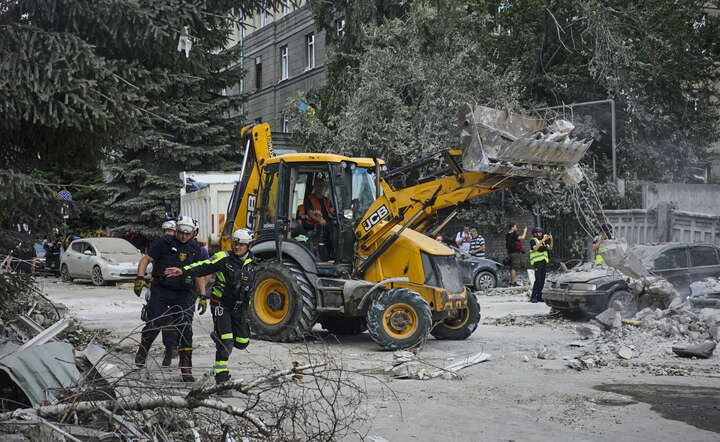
pixel 478 273
pixel 592 291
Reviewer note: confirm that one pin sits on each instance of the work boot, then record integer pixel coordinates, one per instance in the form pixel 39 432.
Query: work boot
pixel 186 365
pixel 142 353
pixel 170 354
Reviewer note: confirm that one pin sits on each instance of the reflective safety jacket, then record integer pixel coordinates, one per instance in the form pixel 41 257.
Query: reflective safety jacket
pixel 234 275
pixel 319 207
pixel 537 256
pixel 599 259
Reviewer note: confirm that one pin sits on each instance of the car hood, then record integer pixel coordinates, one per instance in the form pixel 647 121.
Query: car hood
pixel 587 276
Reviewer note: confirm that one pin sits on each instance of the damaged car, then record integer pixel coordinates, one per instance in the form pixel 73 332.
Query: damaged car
pixel 591 290
pixel 478 273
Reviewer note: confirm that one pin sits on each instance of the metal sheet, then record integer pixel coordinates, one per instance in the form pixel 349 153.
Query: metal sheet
pixel 40 368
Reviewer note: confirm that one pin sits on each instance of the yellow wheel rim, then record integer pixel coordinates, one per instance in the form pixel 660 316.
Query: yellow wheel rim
pixel 400 321
pixel 265 300
pixel 460 321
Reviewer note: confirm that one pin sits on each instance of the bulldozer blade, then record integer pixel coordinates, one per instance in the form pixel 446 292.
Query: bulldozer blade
pixel 505 143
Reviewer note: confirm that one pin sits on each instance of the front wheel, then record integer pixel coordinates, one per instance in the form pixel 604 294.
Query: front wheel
pixel 65 274
pixel 399 318
pixel 485 280
pixel 97 276
pixel 462 325
pixel 282 306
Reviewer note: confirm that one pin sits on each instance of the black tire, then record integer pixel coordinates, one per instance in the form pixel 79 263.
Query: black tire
pixel 65 274
pixel 296 313
pixel 463 325
pixel 484 280
pixel 628 300
pixel 344 326
pixel 96 277
pixel 408 323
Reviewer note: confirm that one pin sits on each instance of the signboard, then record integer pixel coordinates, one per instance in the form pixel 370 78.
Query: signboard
pixel 64 194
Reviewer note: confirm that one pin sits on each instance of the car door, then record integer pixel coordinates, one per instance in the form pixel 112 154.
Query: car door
pixel 704 262
pixel 88 261
pixel 672 264
pixel 74 257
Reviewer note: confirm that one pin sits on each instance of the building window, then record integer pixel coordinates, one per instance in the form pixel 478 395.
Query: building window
pixel 340 26
pixel 258 72
pixel 310 51
pixel 263 17
pixel 284 63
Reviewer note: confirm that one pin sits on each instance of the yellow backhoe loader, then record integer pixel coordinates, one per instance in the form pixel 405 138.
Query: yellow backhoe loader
pixel 342 246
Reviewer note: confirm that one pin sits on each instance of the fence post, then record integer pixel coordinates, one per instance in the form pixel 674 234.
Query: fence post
pixel 664 213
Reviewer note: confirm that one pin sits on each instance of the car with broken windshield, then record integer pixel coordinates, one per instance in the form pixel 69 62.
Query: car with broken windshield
pixel 590 290
pixel 101 260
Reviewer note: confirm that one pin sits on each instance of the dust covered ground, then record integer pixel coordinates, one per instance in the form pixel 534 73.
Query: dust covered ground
pixel 653 395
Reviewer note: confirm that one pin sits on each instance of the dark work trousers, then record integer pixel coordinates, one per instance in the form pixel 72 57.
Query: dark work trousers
pixel 231 330
pixel 540 270
pixel 172 310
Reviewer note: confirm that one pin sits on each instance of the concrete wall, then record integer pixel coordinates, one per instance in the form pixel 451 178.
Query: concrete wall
pixel 646 226
pixel 698 198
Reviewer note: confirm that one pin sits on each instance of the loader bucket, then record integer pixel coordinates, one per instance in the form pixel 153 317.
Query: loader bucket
pixel 509 144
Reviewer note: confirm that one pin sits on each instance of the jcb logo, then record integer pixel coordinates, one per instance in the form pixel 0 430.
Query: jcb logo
pixel 250 211
pixel 375 218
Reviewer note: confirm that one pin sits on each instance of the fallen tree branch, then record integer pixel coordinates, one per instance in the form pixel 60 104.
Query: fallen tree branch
pixel 239 385
pixel 140 405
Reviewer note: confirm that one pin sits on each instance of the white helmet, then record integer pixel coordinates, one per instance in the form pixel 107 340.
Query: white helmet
pixel 242 236
pixel 185 224
pixel 169 225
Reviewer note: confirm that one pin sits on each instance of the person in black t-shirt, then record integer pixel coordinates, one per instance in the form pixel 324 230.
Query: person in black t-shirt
pixel 516 254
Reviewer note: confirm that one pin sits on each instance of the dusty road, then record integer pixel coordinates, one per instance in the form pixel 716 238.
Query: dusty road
pixel 514 396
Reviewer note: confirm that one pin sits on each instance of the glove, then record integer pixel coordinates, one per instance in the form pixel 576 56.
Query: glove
pixel 140 283
pixel 202 306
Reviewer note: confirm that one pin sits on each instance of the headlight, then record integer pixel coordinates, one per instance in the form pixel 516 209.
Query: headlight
pixel 583 286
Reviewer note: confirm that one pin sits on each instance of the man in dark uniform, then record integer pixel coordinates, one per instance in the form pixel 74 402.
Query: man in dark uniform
pixel 171 302
pixel 540 246
pixel 234 273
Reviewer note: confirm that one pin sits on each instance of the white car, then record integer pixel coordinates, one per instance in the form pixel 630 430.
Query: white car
pixel 101 260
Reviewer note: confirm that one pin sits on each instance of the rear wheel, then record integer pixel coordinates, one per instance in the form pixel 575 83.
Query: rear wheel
pixel 628 301
pixel 65 273
pixel 282 307
pixel 344 326
pixel 97 276
pixel 399 318
pixel 462 325
pixel 485 280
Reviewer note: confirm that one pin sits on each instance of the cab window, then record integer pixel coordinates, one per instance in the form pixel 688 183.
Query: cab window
pixel 78 246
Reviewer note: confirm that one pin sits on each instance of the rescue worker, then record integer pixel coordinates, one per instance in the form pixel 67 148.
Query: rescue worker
pixel 168 227
pixel 171 302
pixel 597 244
pixel 540 245
pixel 234 272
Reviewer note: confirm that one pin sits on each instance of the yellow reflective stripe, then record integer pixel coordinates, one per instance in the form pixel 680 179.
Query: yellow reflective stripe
pixel 220 363
pixel 226 336
pixel 215 258
pixel 247 261
pixel 242 340
pixel 185 349
pixel 220 370
pixel 220 276
pixel 536 256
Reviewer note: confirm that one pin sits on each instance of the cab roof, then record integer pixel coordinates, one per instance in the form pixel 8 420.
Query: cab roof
pixel 322 158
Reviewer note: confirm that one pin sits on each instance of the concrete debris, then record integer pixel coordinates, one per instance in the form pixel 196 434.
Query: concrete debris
pixel 407 366
pixel 547 354
pixel 618 256
pixel 526 359
pixel 588 331
pixel 578 344
pixel 582 363
pixel 625 353
pixel 703 351
pixel 610 318
pixel 705 293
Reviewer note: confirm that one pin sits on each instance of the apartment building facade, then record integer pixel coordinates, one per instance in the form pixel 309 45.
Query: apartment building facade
pixel 283 54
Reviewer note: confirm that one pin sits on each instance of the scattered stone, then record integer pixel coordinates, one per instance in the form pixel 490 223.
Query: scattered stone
pixel 547 355
pixel 625 353
pixel 617 306
pixel 606 318
pixel 703 351
pixel 526 359
pixel 401 356
pixel 588 331
pixel 617 320
pixel 577 344
pixel 644 313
